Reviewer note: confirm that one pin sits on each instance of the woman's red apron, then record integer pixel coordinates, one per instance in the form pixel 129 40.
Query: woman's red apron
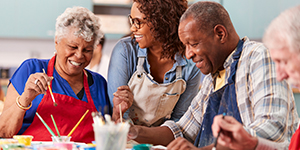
pixel 66 114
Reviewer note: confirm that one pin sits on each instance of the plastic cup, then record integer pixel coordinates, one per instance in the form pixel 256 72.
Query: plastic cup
pixel 64 145
pixel 56 139
pixel 111 136
pixel 24 139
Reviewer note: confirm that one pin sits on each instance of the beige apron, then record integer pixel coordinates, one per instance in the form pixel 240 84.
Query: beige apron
pixel 153 102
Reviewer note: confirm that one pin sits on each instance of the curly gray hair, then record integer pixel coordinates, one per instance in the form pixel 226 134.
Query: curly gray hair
pixel 81 18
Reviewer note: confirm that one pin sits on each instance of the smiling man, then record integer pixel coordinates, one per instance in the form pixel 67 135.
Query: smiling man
pixel 241 82
pixel 283 40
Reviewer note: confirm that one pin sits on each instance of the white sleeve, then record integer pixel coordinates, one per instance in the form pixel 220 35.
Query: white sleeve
pixel 264 144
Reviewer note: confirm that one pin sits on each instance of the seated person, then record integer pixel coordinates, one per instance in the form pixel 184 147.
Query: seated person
pixel 282 37
pixel 75 89
pixel 99 63
pixel 240 81
pixel 163 81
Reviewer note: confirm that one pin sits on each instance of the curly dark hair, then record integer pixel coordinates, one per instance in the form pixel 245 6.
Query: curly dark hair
pixel 163 18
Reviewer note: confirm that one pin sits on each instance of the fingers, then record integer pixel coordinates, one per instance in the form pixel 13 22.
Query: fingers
pixel 123 95
pixel 216 125
pixel 124 87
pixel 38 83
pixel 133 132
pixel 41 82
pixel 224 140
pixel 123 91
pixel 228 123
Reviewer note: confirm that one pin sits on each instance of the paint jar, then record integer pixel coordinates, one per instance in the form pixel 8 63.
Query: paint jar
pixel 24 139
pixel 7 141
pixel 12 146
pixel 142 147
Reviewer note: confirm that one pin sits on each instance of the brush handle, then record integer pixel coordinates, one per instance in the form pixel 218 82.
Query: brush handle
pixel 53 99
pixel 48 128
pixel 50 90
pixel 78 123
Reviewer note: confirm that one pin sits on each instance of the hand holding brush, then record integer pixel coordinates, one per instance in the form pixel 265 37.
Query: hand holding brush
pixel 216 141
pixel 231 134
pixel 50 90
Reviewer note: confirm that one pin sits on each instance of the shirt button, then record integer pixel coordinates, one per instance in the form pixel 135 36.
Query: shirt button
pixel 167 78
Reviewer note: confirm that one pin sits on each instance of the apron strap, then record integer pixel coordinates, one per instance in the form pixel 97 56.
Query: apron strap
pixel 140 67
pixel 178 72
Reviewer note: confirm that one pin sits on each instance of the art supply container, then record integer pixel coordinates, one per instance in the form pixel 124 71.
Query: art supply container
pixel 24 139
pixel 46 147
pixel 7 141
pixel 12 146
pixel 111 136
pixel 142 147
pixel 64 145
pixel 61 139
pixel 43 146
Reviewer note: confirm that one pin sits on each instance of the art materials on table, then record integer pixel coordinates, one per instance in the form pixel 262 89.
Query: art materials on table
pixel 14 146
pixel 98 118
pixel 48 128
pixel 142 147
pixel 24 139
pixel 7 141
pixel 215 144
pixel 108 134
pixel 55 125
pixel 60 139
pixel 53 99
pixel 78 123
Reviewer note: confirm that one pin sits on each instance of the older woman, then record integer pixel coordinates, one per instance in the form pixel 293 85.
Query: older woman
pixel 75 89
pixel 163 81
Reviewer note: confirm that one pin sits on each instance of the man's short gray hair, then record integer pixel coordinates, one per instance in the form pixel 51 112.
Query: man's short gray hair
pixel 285 30
pixel 207 14
pixel 82 19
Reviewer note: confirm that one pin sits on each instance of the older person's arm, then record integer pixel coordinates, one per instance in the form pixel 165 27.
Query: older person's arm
pixel 271 104
pixel 155 135
pixel 15 105
pixel 12 116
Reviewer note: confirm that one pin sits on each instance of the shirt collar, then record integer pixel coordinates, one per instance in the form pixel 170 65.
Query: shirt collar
pixel 229 59
pixel 180 61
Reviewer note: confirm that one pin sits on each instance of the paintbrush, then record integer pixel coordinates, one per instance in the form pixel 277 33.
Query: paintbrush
pixel 53 99
pixel 215 144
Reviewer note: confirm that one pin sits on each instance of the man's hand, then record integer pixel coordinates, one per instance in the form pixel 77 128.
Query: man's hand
pixel 181 144
pixel 233 134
